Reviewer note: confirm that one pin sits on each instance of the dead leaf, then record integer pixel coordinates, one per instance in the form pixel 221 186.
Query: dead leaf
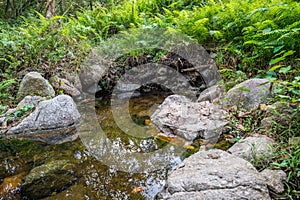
pixel 10 185
pixel 138 189
pixel 147 122
pixel 263 107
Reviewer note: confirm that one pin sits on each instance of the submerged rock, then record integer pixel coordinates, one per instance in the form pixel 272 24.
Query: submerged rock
pixel 248 94
pixel 75 192
pixel 51 177
pixel 254 148
pixel 214 174
pixel 34 84
pixel 179 116
pixel 53 121
pixel 9 189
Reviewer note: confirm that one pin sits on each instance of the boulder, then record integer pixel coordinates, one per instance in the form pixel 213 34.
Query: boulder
pixel 34 84
pixel 254 148
pixel 214 174
pixel 52 121
pixel 248 94
pixel 179 116
pixel 274 179
pixel 50 177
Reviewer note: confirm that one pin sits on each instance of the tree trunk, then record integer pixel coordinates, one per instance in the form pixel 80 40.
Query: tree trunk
pixel 50 8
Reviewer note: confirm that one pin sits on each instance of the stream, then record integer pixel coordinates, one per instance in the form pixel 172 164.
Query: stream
pixel 94 177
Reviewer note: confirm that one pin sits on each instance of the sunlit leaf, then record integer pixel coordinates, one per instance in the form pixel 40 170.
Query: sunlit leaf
pixel 138 189
pixel 285 69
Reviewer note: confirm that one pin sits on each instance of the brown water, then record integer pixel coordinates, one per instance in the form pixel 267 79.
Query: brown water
pixel 94 176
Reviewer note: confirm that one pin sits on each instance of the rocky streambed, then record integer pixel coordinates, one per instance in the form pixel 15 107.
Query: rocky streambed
pixel 139 144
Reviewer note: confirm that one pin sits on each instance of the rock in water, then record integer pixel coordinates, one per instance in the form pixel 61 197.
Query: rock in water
pixel 179 116
pixel 34 84
pixel 51 177
pixel 215 174
pixel 248 94
pixel 53 121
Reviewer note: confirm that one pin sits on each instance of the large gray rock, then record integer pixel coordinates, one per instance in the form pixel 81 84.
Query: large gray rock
pixel 52 121
pixel 34 84
pixel 254 148
pixel 215 174
pixel 248 94
pixel 179 116
pixel 51 177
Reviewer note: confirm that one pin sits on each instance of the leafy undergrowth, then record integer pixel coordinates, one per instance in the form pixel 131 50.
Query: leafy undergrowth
pixel 248 38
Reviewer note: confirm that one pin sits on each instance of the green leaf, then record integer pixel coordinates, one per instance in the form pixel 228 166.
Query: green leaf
pixel 276 60
pixel 295 91
pixel 285 69
pixel 291 52
pixel 276 49
pixel 275 67
pixel 244 89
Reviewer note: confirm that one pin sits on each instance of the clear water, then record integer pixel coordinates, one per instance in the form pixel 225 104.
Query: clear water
pixel 94 175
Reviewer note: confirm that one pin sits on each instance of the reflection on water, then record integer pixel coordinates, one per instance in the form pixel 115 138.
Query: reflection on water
pixel 116 164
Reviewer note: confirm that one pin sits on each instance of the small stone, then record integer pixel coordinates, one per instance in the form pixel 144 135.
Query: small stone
pixel 274 179
pixel 257 147
pixel 211 93
pixel 66 86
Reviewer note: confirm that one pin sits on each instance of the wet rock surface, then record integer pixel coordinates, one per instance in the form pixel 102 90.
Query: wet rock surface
pixel 50 122
pixel 179 116
pixel 254 148
pixel 248 94
pixel 43 180
pixel 214 174
pixel 74 192
pixel 34 84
